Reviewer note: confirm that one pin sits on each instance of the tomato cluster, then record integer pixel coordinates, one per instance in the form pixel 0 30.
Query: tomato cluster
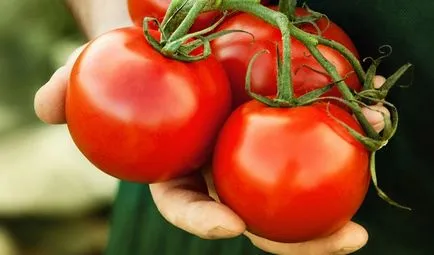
pixel 292 174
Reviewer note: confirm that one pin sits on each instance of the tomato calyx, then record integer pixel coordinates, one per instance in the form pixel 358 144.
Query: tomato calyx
pixel 175 42
pixel 288 8
pixel 181 49
pixel 371 94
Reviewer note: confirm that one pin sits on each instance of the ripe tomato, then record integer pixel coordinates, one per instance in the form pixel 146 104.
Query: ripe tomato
pixel 236 50
pixel 139 9
pixel 292 174
pixel 140 116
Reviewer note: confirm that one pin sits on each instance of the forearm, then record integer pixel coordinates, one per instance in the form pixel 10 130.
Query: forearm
pixel 98 16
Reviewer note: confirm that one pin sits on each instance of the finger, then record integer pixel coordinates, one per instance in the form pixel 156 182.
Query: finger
pixel 184 203
pixel 50 99
pixel 379 81
pixel 207 175
pixel 49 102
pixel 376 114
pixel 345 241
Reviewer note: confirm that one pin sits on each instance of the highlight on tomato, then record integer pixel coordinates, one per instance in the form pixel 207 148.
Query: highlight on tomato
pixel 140 116
pixel 304 169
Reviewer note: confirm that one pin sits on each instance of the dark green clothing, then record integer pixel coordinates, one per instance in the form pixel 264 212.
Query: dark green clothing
pixel 139 229
pixel 404 166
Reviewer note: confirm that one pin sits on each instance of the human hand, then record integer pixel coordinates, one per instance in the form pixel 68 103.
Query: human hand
pixel 98 16
pixel 190 202
pixel 199 214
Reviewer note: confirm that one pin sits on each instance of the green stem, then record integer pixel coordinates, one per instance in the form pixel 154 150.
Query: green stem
pixel 174 46
pixel 285 88
pixel 175 14
pixel 390 82
pixel 346 53
pixel 343 88
pixel 182 14
pixel 316 40
pixel 189 47
pixel 189 20
pixel 287 7
pixel 368 84
pixel 179 9
pixel 380 192
pixel 311 42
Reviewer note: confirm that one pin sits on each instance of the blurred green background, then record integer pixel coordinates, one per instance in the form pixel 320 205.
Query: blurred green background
pixel 37 36
pixel 42 208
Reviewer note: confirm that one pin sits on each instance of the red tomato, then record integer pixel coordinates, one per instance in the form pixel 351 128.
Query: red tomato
pixel 292 174
pixel 236 50
pixel 140 116
pixel 139 9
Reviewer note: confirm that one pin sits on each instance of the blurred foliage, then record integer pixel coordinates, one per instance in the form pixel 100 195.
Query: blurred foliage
pixel 35 37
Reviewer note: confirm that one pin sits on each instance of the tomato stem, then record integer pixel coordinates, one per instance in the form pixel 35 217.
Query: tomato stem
pixel 173 46
pixel 188 21
pixel 178 20
pixel 346 53
pixel 176 43
pixel 171 20
pixel 380 192
pixel 287 7
pixel 285 91
pixel 178 11
pixel 391 81
pixel 343 88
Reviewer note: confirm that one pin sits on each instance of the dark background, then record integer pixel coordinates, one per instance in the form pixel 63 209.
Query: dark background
pixel 405 166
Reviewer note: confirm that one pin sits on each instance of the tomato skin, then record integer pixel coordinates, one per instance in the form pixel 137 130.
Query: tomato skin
pixel 142 117
pixel 236 50
pixel 138 9
pixel 291 174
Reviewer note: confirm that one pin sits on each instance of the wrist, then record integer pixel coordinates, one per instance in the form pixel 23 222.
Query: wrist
pixel 99 16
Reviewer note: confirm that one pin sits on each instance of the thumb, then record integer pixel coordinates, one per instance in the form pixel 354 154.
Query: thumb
pixel 345 241
pixel 49 102
pixel 184 203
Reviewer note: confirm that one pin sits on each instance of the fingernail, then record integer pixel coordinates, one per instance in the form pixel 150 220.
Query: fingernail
pixel 351 241
pixel 221 232
pixel 379 81
pixel 346 250
pixel 375 116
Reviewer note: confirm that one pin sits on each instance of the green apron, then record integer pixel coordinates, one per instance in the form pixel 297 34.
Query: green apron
pixel 404 166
